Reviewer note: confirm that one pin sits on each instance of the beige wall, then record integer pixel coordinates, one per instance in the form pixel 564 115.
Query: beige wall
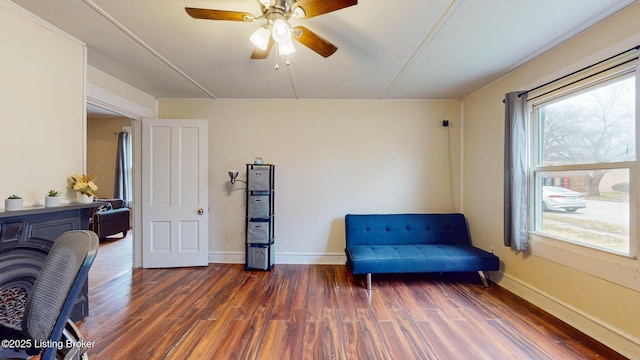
pixel 332 158
pixel 42 120
pixel 102 144
pixel 602 308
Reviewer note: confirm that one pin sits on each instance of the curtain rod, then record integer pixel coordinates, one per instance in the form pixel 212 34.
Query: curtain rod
pixel 637 47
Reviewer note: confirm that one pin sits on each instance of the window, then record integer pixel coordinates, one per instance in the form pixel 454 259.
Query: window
pixel 583 156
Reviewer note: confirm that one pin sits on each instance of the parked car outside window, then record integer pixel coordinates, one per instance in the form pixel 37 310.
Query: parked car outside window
pixel 559 198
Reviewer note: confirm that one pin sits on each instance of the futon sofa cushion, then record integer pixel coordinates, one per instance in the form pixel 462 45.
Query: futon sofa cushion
pixel 409 243
pixel 419 258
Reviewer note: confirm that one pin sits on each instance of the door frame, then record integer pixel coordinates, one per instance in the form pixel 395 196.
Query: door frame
pixel 121 106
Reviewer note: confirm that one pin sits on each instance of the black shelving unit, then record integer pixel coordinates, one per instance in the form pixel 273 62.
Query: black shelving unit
pixel 260 219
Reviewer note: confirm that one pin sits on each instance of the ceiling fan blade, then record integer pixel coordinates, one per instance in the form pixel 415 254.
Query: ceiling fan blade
pixel 258 54
pixel 219 14
pixel 318 7
pixel 263 7
pixel 314 41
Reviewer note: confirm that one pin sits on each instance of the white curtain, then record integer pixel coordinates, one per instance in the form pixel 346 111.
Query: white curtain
pixel 122 188
pixel 516 232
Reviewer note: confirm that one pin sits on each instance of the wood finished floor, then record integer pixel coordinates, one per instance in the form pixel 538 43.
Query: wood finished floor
pixel 318 312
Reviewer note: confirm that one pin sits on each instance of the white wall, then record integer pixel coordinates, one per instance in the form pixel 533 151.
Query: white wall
pixel 332 158
pixel 565 287
pixel 42 117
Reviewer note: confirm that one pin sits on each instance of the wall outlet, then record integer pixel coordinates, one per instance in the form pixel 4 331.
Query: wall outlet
pixel 445 123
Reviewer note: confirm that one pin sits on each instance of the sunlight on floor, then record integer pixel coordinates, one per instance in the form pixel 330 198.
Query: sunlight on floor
pixel 114 258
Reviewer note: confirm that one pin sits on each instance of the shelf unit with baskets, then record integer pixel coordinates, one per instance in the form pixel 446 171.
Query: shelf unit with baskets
pixel 260 219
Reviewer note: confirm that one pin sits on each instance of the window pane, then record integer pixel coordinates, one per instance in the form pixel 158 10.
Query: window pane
pixel 594 126
pixel 567 211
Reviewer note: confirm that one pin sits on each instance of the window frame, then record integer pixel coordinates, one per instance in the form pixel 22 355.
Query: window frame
pixel 606 264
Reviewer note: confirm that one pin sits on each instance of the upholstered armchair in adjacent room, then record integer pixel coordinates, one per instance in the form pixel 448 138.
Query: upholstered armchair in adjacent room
pixel 111 218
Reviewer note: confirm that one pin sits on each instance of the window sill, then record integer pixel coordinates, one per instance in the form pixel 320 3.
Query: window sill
pixel 618 269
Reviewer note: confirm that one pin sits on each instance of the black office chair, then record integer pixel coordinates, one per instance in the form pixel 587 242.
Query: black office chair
pixel 49 304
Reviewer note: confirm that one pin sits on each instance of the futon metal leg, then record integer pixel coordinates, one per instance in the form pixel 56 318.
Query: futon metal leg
pixel 368 281
pixel 483 277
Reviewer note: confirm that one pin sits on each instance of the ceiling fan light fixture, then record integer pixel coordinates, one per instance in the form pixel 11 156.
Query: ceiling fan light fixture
pixel 299 12
pixel 260 38
pixel 277 30
pixel 281 31
pixel 286 48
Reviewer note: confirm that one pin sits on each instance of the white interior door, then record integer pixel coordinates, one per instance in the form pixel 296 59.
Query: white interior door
pixel 174 193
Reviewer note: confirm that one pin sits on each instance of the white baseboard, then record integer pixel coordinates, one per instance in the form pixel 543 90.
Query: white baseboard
pixel 237 257
pixel 626 344
pixel 226 257
pixel 311 258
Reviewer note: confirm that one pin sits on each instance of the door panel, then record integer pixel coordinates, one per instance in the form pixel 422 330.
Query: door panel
pixel 174 193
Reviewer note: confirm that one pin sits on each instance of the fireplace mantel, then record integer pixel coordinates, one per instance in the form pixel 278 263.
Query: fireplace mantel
pixel 41 209
pixel 26 236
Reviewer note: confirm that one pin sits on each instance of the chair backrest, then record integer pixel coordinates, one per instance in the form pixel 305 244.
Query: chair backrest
pixel 63 274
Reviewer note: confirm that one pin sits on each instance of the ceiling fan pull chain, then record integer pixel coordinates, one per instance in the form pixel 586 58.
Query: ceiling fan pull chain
pixel 277 56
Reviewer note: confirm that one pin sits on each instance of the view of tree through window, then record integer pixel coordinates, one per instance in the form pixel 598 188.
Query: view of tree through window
pixel 585 147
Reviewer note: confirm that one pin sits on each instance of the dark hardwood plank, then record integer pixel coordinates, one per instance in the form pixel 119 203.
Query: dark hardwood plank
pixel 383 299
pixel 202 337
pixel 318 312
pixel 170 337
pixel 375 342
pixel 273 346
pixel 301 295
pixel 411 300
pixel 404 340
pixel 293 342
pixel 287 289
pixel 356 347
pixel 254 335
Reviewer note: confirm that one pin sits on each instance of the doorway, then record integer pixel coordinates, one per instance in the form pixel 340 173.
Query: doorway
pixel 103 142
pixel 103 100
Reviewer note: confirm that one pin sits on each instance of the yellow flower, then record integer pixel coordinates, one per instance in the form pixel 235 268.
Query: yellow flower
pixel 84 184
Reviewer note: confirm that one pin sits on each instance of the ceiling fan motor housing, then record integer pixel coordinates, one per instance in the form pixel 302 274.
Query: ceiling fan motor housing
pixel 284 5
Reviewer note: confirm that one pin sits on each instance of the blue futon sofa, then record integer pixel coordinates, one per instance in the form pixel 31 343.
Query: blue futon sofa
pixel 413 243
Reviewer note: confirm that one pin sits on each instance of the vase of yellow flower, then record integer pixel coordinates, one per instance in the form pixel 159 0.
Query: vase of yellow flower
pixel 85 187
pixel 83 198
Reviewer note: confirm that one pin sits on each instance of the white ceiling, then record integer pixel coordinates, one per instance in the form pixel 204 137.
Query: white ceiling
pixel 412 49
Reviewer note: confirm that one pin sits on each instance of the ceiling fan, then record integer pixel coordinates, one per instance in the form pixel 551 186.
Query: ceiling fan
pixel 277 28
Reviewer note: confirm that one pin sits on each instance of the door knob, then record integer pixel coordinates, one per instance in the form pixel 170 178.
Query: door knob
pixel 200 211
